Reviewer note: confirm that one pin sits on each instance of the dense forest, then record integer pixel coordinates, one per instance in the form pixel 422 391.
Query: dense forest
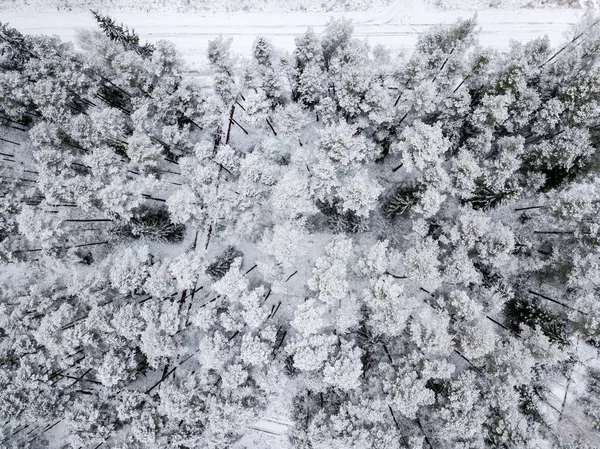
pixel 404 249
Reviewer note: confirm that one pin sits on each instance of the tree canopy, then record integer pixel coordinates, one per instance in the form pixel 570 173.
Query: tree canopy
pixel 404 249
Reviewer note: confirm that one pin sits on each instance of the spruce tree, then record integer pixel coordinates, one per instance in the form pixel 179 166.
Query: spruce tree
pixel 120 33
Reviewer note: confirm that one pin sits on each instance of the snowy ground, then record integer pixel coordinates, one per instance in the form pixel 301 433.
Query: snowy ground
pixel 188 6
pixel 396 26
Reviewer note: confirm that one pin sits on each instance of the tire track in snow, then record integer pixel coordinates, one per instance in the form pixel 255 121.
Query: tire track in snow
pixel 395 27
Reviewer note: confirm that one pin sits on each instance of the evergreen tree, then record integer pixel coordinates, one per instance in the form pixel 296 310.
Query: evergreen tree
pixel 120 33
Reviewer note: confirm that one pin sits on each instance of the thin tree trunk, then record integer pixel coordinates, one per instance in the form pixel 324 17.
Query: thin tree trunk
pixel 395 169
pixel 10 141
pixel 232 111
pixel 394 417
pixel 556 302
pixel 171 371
pixel 242 128
pixel 468 361
pixel 568 44
pixel 387 353
pixel 443 65
pixel 210 227
pixel 271 126
pixel 88 220
pixel 461 83
pixel 528 208
pixel 423 432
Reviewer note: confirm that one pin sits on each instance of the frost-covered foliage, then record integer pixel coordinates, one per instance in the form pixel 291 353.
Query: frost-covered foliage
pixel 406 252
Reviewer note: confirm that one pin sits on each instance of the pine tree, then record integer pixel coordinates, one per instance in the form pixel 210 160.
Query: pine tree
pixel 120 33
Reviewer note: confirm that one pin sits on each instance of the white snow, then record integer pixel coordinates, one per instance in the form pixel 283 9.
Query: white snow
pixel 396 26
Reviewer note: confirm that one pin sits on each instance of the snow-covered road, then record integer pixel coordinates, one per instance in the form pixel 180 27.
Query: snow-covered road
pixel 396 27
